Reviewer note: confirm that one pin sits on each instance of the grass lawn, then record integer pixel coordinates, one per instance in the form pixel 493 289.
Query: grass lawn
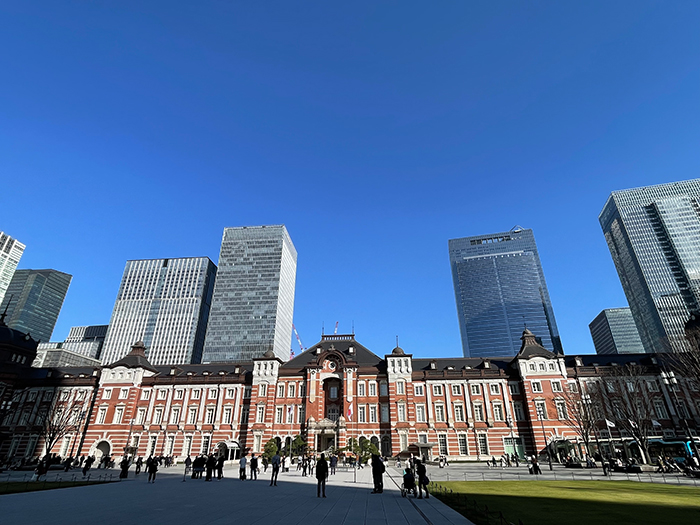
pixel 29 486
pixel 576 502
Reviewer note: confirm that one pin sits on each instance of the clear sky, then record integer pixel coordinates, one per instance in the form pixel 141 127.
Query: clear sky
pixel 375 131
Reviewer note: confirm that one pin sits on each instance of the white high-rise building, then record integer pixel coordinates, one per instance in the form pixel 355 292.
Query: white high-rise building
pixel 253 305
pixel 11 251
pixel 164 303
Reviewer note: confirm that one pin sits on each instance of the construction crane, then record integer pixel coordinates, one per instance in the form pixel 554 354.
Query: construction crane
pixel 301 346
pixel 335 332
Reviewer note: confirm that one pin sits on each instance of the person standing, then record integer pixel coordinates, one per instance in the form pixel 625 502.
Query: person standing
pixel 253 468
pixel 321 476
pixel 422 479
pixel 88 463
pixel 241 465
pixel 139 465
pixel 220 467
pixel 334 463
pixel 275 469
pixel 211 465
pixel 264 462
pixel 377 472
pixel 152 468
pixel 124 465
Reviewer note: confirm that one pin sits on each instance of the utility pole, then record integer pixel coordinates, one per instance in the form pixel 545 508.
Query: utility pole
pixel 540 414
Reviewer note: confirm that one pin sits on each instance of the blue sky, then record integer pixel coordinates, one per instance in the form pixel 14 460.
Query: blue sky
pixel 375 131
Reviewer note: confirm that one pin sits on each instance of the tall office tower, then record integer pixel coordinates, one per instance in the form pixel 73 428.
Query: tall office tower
pixel 614 332
pixel 11 251
pixel 654 237
pixel 500 289
pixel 254 295
pixel 86 340
pixel 164 303
pixel 34 300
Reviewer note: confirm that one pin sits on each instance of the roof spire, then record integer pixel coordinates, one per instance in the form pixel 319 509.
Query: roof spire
pixel 4 314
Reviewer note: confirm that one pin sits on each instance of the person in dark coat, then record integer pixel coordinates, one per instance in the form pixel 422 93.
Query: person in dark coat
pixel 151 468
pixel 211 464
pixel 124 465
pixel 422 479
pixel 139 465
pixel 321 476
pixel 220 467
pixel 377 474
pixel 88 463
pixel 253 468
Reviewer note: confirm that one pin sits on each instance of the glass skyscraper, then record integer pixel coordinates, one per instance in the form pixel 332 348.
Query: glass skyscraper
pixel 500 288
pixel 614 332
pixel 654 238
pixel 253 305
pixel 11 251
pixel 34 299
pixel 164 303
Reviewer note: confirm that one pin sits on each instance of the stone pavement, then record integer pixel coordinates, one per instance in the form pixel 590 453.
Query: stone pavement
pixel 172 501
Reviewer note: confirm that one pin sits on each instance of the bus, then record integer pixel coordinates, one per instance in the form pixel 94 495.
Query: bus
pixel 677 449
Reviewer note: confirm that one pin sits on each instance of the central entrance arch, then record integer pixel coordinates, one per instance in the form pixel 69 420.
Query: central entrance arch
pixel 102 449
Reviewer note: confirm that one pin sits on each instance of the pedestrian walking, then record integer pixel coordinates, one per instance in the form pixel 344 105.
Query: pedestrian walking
pixel 241 465
pixel 88 463
pixel 211 465
pixel 151 468
pixel 377 472
pixel 423 480
pixel 265 463
pixel 253 468
pixel 220 467
pixel 275 469
pixel 321 476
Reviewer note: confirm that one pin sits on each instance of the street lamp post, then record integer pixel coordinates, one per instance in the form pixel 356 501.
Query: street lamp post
pixel 669 379
pixel 128 439
pixel 509 422
pixel 587 402
pixel 540 414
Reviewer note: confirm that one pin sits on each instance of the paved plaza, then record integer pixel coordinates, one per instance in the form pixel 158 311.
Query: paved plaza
pixel 170 500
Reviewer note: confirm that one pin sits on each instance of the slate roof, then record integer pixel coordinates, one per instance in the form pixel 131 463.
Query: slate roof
pixel 341 343
pixel 531 348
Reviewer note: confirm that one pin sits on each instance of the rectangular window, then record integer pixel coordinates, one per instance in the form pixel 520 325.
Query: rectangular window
pixel 422 438
pixel 158 416
pixel 213 393
pixel 456 390
pixel 573 387
pixel 118 415
pixel 463 449
pixel 145 395
pixel 385 413
pixel 653 386
pixel 361 389
pixel 279 413
pixel 498 412
pixel 162 394
pixel 192 416
pixel 440 413
pixel 478 412
pixel 106 393
pixel 519 412
pixel 280 390
pixel 514 388
pixel 383 390
pixel 260 416
pixel 373 414
pixel 403 441
pixel 140 416
pixel 206 441
pixel 292 390
pixel 123 393
pixel 231 392
pixel 179 394
pixel 228 412
pixel 437 390
pixel 187 447
pixel 561 410
pixel 245 414
pixel 362 414
pixel 475 390
pixel 195 394
pixel 459 413
pixel 660 409
pixel 483 444
pixel 246 392
pixel 418 390
pixel 301 414
pixel 210 416
pixel 334 392
pixel 101 415
pixel 495 388
pixel 290 414
pixel 420 413
pixel 262 390
pixel 541 408
pixel 302 391
pixel 257 443
pixel 537 387
pixel 402 412
pixel 442 444
pixel 556 386
pixel 175 416
pixel 400 387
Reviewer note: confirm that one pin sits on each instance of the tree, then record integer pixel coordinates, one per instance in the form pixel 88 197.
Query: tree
pixel 270 449
pixel 298 446
pixel 363 448
pixel 625 398
pixel 579 414
pixel 62 418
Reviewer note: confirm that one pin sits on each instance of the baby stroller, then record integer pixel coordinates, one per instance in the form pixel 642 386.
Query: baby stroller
pixel 409 484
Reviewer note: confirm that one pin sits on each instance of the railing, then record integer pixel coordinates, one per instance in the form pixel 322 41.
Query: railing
pixel 26 484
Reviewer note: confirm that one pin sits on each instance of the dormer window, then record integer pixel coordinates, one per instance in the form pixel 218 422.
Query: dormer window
pixel 541 367
pixel 532 367
pixel 433 365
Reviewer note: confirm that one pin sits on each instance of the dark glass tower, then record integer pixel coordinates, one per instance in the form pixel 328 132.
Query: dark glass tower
pixel 654 238
pixel 34 299
pixel 614 332
pixel 500 289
